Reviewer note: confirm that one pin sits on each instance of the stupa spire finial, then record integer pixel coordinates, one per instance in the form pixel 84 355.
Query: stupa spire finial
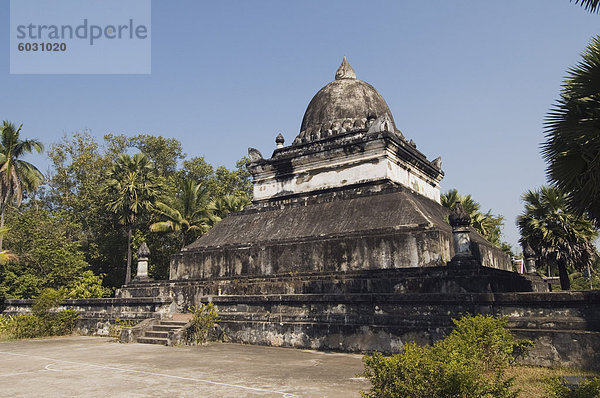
pixel 345 71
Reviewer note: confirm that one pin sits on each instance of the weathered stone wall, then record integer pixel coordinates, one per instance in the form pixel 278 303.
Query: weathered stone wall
pixel 379 226
pixel 344 160
pixel 564 326
pixel 365 282
pixel 364 311
pixel 416 247
pixel 96 315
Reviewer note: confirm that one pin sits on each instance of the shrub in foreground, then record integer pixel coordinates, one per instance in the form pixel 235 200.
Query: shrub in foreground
pixel 470 362
pixel 558 388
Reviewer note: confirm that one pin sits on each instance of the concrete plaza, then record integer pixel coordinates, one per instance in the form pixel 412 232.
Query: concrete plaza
pixel 94 366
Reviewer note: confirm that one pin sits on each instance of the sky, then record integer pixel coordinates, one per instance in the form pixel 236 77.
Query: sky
pixel 468 80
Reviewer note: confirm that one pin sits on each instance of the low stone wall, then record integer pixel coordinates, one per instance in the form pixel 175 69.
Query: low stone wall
pixel 359 314
pixel 97 314
pixel 564 326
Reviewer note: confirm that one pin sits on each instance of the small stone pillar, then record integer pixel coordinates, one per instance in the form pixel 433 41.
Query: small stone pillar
pixel 142 265
pixel 460 222
pixel 279 141
pixel 529 256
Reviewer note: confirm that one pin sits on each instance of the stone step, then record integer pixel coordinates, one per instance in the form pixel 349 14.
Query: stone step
pixel 177 324
pixel 162 335
pixel 153 340
pixel 164 328
pixel 398 280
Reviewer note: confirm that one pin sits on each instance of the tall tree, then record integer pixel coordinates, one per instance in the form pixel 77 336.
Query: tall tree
pixel 557 235
pixel 80 166
pixel 133 189
pixel 186 215
pixel 16 176
pixel 572 147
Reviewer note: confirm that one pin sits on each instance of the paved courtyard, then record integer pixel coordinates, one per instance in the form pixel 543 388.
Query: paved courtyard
pixel 98 367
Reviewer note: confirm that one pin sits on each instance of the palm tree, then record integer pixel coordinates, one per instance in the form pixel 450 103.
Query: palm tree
pixel 572 147
pixel 16 176
pixel 224 205
pixel 133 188
pixel 488 225
pixel 590 5
pixel 452 197
pixel 219 208
pixel 557 235
pixel 187 215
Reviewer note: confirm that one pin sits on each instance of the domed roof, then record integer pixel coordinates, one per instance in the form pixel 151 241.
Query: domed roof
pixel 344 105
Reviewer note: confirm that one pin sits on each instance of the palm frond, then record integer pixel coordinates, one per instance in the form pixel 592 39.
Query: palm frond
pixel 589 5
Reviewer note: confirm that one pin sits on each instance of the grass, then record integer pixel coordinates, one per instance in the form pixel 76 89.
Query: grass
pixel 531 381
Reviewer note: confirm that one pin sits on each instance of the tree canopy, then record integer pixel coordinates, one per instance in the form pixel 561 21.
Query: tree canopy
pixel 16 175
pixel 572 147
pixel 558 236
pixel 74 234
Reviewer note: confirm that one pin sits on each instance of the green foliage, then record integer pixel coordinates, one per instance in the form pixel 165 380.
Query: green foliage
pixel 470 362
pixel 26 327
pixel 572 142
pixel 557 235
pixel 32 326
pixel 186 216
pixel 585 281
pixel 63 322
pixel 485 340
pixel 16 176
pixel 204 318
pixel 48 252
pixel 80 168
pixel 558 388
pixel 46 301
pixel 487 224
pixel 69 238
pixel 45 320
pixel 589 5
pixel 219 182
pixel 115 328
pixel 87 285
pixel 132 188
pixel 163 152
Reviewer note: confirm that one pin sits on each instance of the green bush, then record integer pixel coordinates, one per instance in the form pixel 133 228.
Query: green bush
pixel 114 329
pixel 63 322
pixel 470 362
pixel 44 321
pixel 558 388
pixel 48 300
pixel 204 318
pixel 27 327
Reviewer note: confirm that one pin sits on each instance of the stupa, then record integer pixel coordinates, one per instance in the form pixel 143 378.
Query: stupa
pixel 351 193
pixel 346 245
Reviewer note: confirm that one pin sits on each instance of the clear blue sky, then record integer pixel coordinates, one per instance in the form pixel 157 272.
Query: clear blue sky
pixel 468 80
